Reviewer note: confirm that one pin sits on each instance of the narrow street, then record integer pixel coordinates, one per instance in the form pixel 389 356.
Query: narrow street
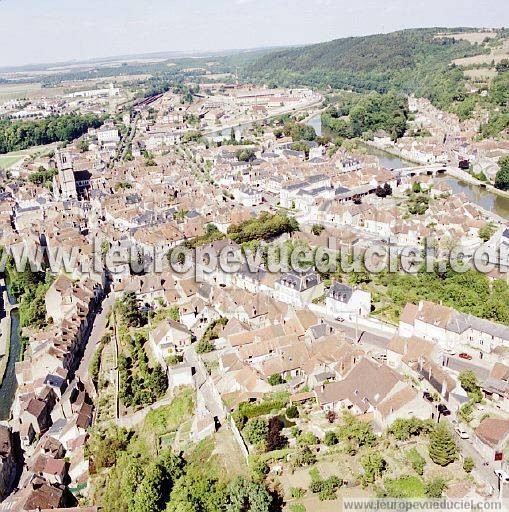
pixel 97 332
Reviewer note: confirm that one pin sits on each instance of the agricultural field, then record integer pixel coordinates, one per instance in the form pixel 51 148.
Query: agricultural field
pixel 8 161
pixel 471 37
pixel 27 90
pixel 496 55
pixel 482 74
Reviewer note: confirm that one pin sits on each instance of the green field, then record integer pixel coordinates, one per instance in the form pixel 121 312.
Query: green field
pixel 7 161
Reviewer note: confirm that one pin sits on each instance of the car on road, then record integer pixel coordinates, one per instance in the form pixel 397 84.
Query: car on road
pixel 427 396
pixel 340 319
pixel 464 355
pixel 450 351
pixel 462 432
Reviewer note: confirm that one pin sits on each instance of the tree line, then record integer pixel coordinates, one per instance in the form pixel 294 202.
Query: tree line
pixel 19 135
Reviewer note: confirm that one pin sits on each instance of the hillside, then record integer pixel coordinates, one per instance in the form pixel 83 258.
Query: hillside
pixel 415 60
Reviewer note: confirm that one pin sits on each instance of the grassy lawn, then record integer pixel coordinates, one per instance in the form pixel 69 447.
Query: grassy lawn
pixel 405 487
pixel 8 161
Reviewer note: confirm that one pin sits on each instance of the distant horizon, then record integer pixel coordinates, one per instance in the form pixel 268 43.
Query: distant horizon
pixel 200 53
pixel 63 31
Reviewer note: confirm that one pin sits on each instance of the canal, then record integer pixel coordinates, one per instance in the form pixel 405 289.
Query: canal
pixel 9 384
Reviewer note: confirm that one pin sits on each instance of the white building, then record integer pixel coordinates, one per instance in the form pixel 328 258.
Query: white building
pixel 345 301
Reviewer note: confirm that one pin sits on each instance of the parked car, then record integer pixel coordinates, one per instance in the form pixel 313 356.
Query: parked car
pixel 381 357
pixel 502 475
pixel 466 356
pixel 443 410
pixel 462 432
pixel 340 319
pixel 427 396
pixel 450 351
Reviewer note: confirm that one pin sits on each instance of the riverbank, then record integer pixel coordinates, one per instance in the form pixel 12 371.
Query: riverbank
pixel 11 335
pixel 224 131
pixel 5 332
pixel 468 178
pixel 384 149
pixel 5 344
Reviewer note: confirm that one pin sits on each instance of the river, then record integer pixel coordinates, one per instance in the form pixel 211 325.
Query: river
pixel 480 196
pixel 9 383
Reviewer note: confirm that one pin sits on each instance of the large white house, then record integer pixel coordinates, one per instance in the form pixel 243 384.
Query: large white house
pixel 345 301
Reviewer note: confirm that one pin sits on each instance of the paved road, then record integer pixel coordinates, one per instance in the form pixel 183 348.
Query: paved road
pixel 97 332
pixel 484 473
pixel 457 364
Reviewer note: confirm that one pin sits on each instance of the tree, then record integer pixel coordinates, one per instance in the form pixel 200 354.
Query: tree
pixel 274 439
pixel 244 495
pixel 487 231
pixel 131 311
pixel 442 448
pixel 259 468
pixel 255 430
pixel 466 411
pixel 307 438
pixel 148 496
pixel 469 383
pixel 330 439
pixel 245 155
pixel 374 465
pixel 468 464
pixel 303 457
pixel 403 428
pixel 83 145
pixel 326 489
pixel 502 177
pixel 356 431
pixel 275 379
pixel 204 346
pixel 317 229
pixel 292 412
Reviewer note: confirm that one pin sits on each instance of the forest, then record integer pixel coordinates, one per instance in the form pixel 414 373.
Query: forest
pixel 367 114
pixel 409 61
pixel 18 135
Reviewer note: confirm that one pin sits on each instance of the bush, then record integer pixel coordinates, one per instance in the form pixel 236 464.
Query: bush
pixel 303 457
pixel 307 438
pixel 468 464
pixel 330 439
pixel 326 489
pixel 435 487
pixel 297 493
pixel 403 429
pixel 374 465
pixel 275 380
pixel 255 430
pixel 259 468
pixel 292 412
pixel 417 460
